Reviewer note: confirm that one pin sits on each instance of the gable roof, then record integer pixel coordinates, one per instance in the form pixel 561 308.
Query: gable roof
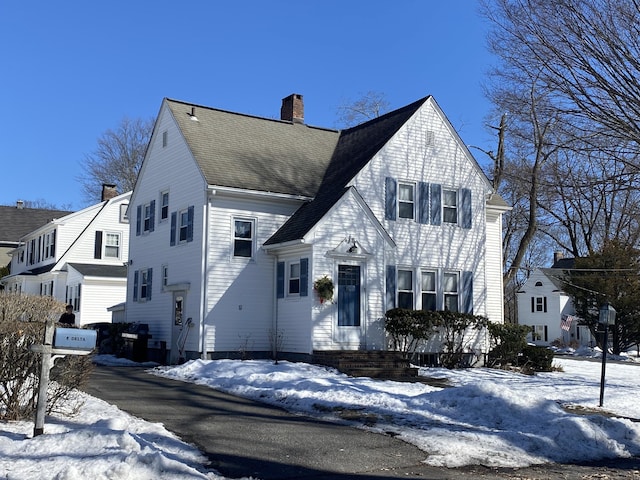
pixel 253 153
pixel 355 148
pixel 17 222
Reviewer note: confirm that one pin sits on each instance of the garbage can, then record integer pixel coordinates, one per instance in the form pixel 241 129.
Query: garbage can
pixel 136 340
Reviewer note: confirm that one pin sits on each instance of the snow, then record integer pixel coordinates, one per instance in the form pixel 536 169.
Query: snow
pixel 488 417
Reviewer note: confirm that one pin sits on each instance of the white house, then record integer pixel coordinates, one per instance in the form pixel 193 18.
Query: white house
pixel 548 310
pixel 234 217
pixel 79 258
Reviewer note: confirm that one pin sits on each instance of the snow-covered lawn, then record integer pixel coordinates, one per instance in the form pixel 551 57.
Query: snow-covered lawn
pixel 489 417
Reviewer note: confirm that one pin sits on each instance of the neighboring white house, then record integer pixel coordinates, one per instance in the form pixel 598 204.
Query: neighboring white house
pixel 548 310
pixel 79 259
pixel 233 218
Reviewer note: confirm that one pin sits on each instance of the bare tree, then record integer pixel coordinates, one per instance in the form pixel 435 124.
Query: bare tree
pixel 117 158
pixel 579 61
pixel 370 105
pixel 587 52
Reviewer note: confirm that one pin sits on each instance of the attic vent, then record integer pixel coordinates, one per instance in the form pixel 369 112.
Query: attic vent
pixel 429 137
pixel 538 284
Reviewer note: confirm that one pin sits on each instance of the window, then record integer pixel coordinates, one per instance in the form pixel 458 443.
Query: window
pixel 450 288
pixel 540 333
pixel 147 217
pixel 406 195
pixel 164 206
pixel 405 289
pixel 142 285
pixel 449 206
pixel 124 213
pixel 165 275
pixel 184 226
pixel 112 245
pixel 294 278
pixel 243 234
pixel 72 296
pixel 165 138
pixel 538 304
pixel 429 294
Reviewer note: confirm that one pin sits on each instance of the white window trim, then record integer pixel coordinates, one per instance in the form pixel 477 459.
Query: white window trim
pixel 105 244
pixel 413 285
pixel 289 277
pixel 446 207
pixel 253 222
pixel 163 206
pixel 412 185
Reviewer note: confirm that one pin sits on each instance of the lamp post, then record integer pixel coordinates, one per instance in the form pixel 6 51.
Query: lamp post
pixel 607 317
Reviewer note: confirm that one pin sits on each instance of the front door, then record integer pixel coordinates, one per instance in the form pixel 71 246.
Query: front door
pixel 349 300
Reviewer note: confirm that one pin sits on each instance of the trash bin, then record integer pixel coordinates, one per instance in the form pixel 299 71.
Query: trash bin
pixel 136 340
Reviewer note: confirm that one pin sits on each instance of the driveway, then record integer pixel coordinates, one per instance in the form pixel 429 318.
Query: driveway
pixel 243 438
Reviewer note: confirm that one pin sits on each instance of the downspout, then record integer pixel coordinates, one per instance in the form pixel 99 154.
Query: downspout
pixel 205 277
pixel 274 323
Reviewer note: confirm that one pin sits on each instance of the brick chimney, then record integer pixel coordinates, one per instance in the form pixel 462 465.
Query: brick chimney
pixel 557 256
pixel 108 191
pixel 292 108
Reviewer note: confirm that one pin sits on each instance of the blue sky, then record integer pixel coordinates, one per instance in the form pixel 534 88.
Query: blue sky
pixel 73 69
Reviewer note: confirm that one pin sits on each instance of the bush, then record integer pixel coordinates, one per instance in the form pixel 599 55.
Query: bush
pixel 509 340
pixel 22 322
pixel 408 328
pixel 536 359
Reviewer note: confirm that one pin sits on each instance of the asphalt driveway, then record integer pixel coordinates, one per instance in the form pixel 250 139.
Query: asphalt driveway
pixel 243 438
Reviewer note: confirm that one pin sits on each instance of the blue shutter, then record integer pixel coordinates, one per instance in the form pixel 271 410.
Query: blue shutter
pixel 423 202
pixel 436 204
pixel 138 219
pixel 467 292
pixel 152 215
pixel 149 277
pixel 391 287
pixel 390 198
pixel 190 224
pixel 465 208
pixel 280 280
pixel 174 221
pixel 304 277
pixel 135 286
pixel 97 248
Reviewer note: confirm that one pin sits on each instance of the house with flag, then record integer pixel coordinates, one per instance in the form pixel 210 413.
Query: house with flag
pixel 544 306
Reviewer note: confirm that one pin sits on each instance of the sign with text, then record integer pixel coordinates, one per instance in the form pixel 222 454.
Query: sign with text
pixel 75 338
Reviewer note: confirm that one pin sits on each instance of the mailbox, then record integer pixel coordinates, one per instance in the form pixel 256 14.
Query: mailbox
pixel 75 338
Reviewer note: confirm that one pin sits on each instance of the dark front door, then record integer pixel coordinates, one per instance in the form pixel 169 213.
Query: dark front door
pixel 348 295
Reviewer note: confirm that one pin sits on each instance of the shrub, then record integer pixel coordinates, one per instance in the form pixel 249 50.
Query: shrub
pixel 408 328
pixel 536 359
pixel 22 322
pixel 509 340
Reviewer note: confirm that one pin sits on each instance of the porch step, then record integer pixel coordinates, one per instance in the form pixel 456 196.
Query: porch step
pixel 374 364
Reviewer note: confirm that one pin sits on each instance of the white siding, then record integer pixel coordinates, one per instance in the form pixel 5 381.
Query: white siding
pixel 167 168
pixel 349 220
pixel 495 296
pixel 240 291
pixel 425 149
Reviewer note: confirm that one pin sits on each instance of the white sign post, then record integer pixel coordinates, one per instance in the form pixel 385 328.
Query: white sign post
pixel 72 341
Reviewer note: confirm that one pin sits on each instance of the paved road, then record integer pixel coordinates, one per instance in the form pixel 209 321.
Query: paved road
pixel 244 438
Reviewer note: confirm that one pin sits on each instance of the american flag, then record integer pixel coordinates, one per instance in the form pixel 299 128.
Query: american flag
pixel 565 322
